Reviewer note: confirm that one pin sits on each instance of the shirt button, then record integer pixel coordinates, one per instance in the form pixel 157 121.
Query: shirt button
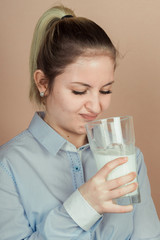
pixel 77 168
pixel 81 148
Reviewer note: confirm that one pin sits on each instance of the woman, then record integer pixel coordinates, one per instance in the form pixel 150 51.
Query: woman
pixel 48 181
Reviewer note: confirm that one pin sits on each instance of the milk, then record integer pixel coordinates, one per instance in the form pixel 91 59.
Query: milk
pixel 104 156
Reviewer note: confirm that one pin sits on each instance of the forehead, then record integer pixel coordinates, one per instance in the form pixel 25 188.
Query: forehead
pixel 89 69
pixel 91 60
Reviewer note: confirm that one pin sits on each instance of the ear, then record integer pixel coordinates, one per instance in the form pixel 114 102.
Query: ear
pixel 40 80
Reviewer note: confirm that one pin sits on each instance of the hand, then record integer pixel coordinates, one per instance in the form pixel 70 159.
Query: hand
pixel 99 193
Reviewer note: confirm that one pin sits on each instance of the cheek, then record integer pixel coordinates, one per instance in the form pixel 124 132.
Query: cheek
pixel 75 102
pixel 106 103
pixel 69 104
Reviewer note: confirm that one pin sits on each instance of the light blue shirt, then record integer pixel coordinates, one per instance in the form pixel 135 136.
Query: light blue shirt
pixel 40 173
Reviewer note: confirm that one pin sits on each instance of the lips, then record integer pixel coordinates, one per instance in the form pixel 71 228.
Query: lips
pixel 89 117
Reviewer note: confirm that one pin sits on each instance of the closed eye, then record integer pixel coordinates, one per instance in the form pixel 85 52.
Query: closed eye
pixel 79 93
pixel 83 92
pixel 106 92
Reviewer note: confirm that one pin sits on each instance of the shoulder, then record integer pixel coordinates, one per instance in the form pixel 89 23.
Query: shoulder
pixel 17 145
pixel 138 152
pixel 139 157
pixel 141 166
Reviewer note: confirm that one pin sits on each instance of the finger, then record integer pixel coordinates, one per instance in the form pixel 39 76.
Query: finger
pixel 118 182
pixel 115 208
pixel 108 167
pixel 119 192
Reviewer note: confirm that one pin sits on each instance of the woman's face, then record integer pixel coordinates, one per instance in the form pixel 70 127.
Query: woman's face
pixel 80 94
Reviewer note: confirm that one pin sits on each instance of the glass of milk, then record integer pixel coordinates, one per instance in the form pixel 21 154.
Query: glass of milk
pixel 112 138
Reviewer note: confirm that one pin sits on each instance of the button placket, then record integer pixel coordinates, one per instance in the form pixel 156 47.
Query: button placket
pixel 77 170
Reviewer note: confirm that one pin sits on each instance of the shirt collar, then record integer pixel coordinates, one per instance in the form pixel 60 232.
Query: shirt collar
pixel 71 148
pixel 44 134
pixel 48 137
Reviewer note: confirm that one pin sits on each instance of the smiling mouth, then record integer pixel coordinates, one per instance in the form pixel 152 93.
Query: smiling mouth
pixel 89 117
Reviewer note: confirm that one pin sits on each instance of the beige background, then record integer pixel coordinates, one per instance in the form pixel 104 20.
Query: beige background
pixel 134 26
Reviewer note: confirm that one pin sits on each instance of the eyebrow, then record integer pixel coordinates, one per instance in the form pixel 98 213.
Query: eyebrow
pixel 87 85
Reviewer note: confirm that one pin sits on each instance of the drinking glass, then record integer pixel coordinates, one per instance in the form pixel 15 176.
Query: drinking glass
pixel 112 138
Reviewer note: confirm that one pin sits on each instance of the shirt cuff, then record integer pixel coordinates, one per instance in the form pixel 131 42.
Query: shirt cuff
pixel 80 211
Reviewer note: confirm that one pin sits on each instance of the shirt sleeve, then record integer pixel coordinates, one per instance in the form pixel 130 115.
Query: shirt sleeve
pixel 80 210
pixel 146 222
pixel 13 222
pixel 55 224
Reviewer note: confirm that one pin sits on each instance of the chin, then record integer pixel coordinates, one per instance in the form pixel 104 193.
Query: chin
pixel 82 130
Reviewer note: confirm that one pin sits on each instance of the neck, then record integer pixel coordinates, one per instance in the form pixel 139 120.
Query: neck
pixel 77 141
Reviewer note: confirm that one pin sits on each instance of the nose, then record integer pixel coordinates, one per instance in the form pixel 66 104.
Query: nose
pixel 93 105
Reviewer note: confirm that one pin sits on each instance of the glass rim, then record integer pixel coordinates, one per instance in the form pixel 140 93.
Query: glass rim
pixel 109 118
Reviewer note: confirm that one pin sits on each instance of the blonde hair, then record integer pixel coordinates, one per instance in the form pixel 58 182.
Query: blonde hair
pixel 58 42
